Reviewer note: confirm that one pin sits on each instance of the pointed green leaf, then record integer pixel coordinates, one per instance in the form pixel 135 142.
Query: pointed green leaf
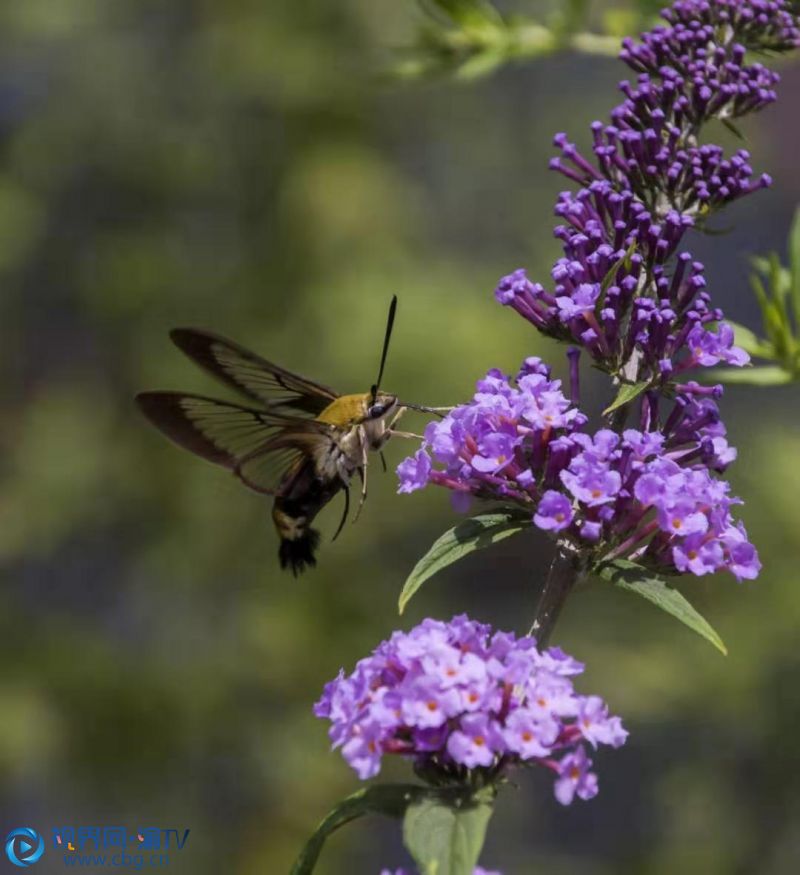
pixel 768 375
pixel 390 800
pixel 445 836
pixel 481 64
pixel 749 342
pixel 467 537
pixel 608 279
pixel 627 392
pixel 760 264
pixel 733 129
pixel 794 263
pixel 634 578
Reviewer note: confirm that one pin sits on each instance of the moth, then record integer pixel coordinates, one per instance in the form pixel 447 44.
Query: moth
pixel 296 439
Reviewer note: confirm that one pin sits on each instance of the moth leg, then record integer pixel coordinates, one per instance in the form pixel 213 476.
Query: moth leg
pixel 346 511
pixel 397 414
pixel 363 472
pixel 383 462
pixel 390 429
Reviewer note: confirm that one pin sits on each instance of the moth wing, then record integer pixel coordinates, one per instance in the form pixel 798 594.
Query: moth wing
pixel 250 374
pixel 259 446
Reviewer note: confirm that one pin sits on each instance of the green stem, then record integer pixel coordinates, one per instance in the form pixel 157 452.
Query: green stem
pixel 563 574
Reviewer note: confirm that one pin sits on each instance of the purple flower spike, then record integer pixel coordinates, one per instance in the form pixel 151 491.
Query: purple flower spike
pixel 647 495
pixel 647 183
pixel 455 698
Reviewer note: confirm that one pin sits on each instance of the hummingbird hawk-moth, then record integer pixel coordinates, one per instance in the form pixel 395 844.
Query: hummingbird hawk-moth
pixel 296 439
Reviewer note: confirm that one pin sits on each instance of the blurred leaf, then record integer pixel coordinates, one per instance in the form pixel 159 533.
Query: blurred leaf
pixel 634 578
pixel 780 283
pixel 627 392
pixel 768 375
pixel 574 15
pixel 445 837
pixel 794 264
pixel 470 13
pixel 468 536
pixel 21 222
pixel 389 800
pixel 620 22
pixel 749 342
pixel 481 64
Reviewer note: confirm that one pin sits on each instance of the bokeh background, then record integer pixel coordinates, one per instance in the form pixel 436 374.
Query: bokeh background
pixel 243 166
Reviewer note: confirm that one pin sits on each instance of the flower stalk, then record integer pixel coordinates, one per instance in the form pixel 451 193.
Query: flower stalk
pixel 564 573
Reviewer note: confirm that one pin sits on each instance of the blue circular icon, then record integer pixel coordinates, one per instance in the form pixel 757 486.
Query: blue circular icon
pixel 24 846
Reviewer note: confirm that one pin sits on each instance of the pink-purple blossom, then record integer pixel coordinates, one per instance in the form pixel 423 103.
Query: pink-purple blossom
pixel 650 494
pixel 456 697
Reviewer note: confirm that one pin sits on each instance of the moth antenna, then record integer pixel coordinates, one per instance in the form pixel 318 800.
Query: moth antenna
pixel 386 338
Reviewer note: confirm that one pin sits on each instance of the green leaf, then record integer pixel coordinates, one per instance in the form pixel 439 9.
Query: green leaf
pixel 634 578
pixel 390 800
pixel 481 64
pixel 445 836
pixel 608 279
pixel 574 15
pixel 768 375
pixel 733 129
pixel 794 263
pixel 627 392
pixel 749 342
pixel 468 536
pixel 780 286
pixel 470 13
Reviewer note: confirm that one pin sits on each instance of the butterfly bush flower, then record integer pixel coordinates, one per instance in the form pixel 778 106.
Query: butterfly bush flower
pixel 458 698
pixel 648 182
pixel 648 494
pixel 625 294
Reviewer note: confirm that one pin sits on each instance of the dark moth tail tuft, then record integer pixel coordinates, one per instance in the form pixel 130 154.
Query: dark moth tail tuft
pixel 298 553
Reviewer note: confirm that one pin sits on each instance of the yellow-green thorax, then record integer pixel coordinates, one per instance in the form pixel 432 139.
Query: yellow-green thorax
pixel 348 411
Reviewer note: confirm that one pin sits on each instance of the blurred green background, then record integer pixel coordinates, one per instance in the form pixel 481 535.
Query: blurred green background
pixel 241 166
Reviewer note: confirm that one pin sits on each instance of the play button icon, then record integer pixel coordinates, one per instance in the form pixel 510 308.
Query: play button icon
pixel 24 846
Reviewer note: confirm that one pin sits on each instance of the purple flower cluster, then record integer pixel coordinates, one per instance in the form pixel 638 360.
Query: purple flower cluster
pixel 647 494
pixel 625 293
pixel 670 334
pixel 457 698
pixel 650 181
